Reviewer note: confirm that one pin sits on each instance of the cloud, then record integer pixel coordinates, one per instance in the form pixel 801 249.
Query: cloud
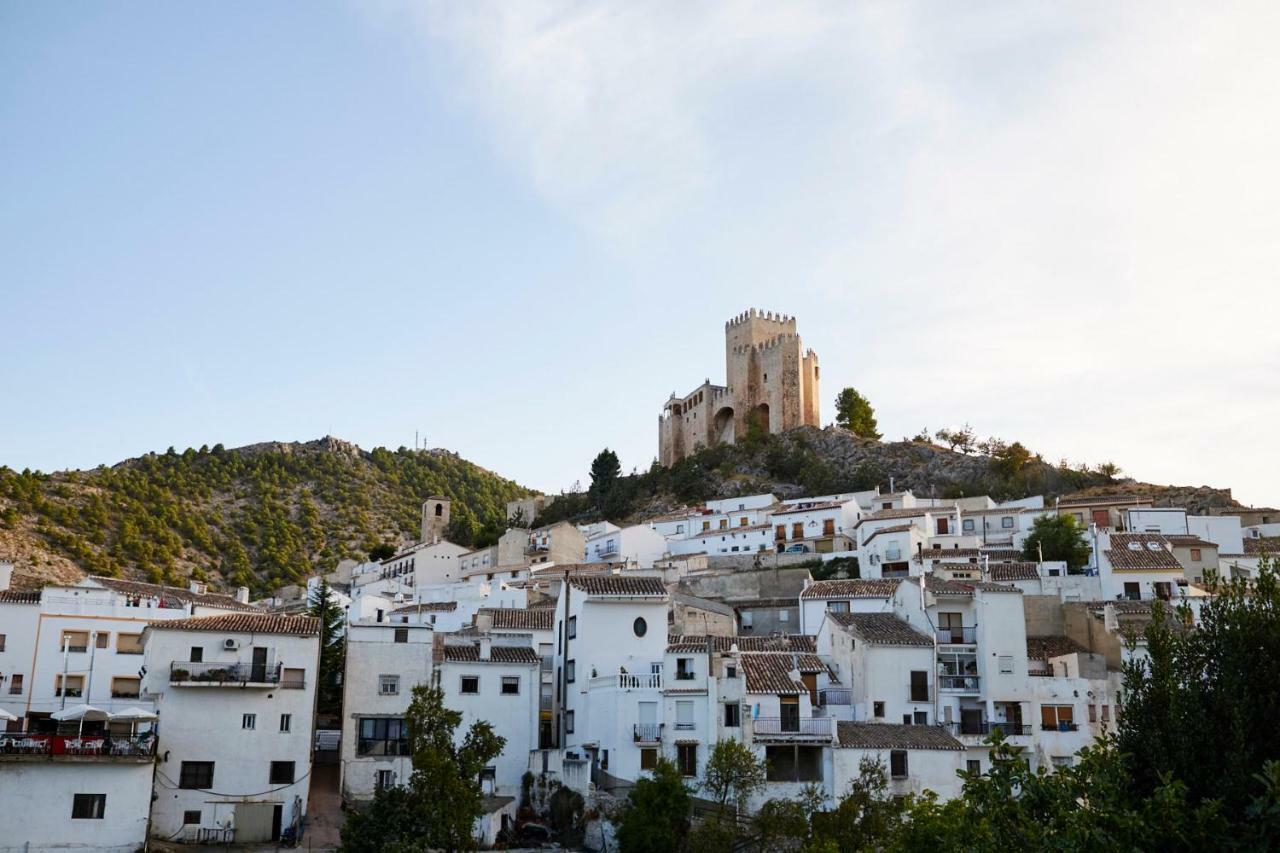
pixel 1001 205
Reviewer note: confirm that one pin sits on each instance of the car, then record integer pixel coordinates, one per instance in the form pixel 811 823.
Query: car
pixel 798 549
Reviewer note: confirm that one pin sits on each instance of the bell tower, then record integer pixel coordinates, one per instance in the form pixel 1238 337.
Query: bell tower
pixel 435 518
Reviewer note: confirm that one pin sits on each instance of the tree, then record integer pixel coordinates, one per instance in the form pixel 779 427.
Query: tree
pixel 332 648
pixel 962 440
pixel 854 413
pixel 1059 537
pixel 655 818
pixel 605 470
pixel 443 796
pixel 1008 460
pixel 1221 681
pixel 864 815
pixel 1110 470
pixel 733 773
pixel 382 551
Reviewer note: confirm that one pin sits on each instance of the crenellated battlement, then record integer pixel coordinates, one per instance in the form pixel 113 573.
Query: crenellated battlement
pixel 773 343
pixel 757 315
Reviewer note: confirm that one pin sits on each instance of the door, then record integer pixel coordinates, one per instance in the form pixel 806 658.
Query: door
pixel 259 664
pixel 277 816
pixel 943 526
pixel 971 721
pixel 1102 518
pixel 790 707
pixel 256 822
pixel 919 685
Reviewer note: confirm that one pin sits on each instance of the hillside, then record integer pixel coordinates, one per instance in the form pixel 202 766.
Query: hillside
pixel 262 516
pixel 810 461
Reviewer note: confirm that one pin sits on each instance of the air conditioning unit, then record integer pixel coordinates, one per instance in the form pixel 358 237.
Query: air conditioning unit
pixel 230 644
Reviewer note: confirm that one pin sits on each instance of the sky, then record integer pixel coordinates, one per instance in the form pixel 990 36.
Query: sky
pixel 514 229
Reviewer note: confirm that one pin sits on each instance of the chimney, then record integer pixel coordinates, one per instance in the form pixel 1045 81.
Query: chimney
pixel 484 622
pixel 6 575
pixel 485 645
pixel 437 647
pixel 242 594
pixel 197 587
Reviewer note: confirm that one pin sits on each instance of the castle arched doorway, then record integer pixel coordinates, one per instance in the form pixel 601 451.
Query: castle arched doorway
pixel 722 426
pixel 760 417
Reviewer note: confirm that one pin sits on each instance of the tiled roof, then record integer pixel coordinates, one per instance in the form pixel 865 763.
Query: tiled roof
pixel 518 619
pixel 913 512
pixel 1188 539
pixel 771 673
pixel 470 653
pixel 813 508
pixel 1151 554
pixel 1100 500
pixel 245 623
pixel 896 528
pixel 693 643
pixel 869 588
pixel 881 629
pixel 754 603
pixel 428 607
pixel 626 585
pixel 172 593
pixel 1004 555
pixel 944 586
pixel 1005 572
pixel 12 596
pixel 893 736
pixel 1256 545
pixel 1043 648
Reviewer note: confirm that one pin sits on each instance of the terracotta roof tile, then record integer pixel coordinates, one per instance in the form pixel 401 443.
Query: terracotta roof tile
pixel 1051 646
pixel 245 623
pixel 1141 552
pixel 428 607
pixel 868 588
pixel 173 593
pixel 893 736
pixel 622 585
pixel 1188 539
pixel 470 653
pixel 896 528
pixel 1256 545
pixel 881 629
pixel 1005 572
pixel 518 619
pixel 771 673
pixel 993 555
pixel 12 596
pixel 693 643
pixel 812 508
pixel 1089 500
pixel 913 512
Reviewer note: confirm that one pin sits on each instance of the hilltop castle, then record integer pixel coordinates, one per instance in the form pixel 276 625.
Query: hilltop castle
pixel 772 379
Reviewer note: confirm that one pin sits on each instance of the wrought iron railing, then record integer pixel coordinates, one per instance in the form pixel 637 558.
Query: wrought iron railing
pixel 784 727
pixel 962 683
pixel 215 672
pixel 835 696
pixel 958 636
pixel 647 732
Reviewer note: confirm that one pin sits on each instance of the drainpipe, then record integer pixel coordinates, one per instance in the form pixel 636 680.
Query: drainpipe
pixel 65 651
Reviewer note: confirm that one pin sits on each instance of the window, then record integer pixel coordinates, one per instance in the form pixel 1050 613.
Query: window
pixel 920 685
pixel 197 654
pixel 1006 522
pixel 706 525
pixel 402 635
pixel 1062 760
pixel 829 527
pixel 294 678
pixel 88 806
pixel 648 758
pixel 732 715
pixel 385 779
pixel 1093 713
pixel 568 722
pixel 784 615
pixel 687 758
pixel 286 722
pixel 1132 591
pixel 383 736
pixel 639 627
pixel 570 671
pixel 967 525
pixel 1059 718
pixel 877 710
pixel 126 687
pixel 191 818
pixel 684 669
pixel 75 641
pixel 248 721
pixel 510 685
pixel 747 619
pixel 75 685
pixel 1 642
pixel 1006 663
pixel 15 685
pixel 1106 713
pixel 973 765
pixel 898 763
pixel 281 773
pixel 943 526
pixel 921 718
pixel 743 522
pixel 128 644
pixel 780 532
pixel 388 685
pixel 684 715
pixel 797 530
pixel 731 671
pixel 102 639
pixel 573 627
pixel 196 774
pixel 724 524
pixel 471 684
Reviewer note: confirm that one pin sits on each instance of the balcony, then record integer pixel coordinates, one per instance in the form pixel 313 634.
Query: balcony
pixel 986 728
pixel 125 694
pixel 32 747
pixel 835 696
pixel 685 675
pixel 626 681
pixel 958 636
pixel 218 674
pixel 1061 726
pixel 647 733
pixel 381 746
pixel 793 728
pixel 958 683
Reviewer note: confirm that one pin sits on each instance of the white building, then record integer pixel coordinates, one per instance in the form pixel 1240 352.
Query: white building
pixel 843 596
pixel 728 540
pixel 637 545
pixel 815 525
pixel 384 663
pixel 1137 566
pixel 236 699
pixel 82 643
pixel 887 663
pixel 425 563
pixel 915 758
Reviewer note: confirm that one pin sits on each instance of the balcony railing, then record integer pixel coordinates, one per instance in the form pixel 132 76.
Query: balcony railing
pixel 793 727
pixel 376 746
pixel 647 732
pixel 80 746
pixel 1060 727
pixel 835 696
pixel 685 675
pixel 214 672
pixel 959 683
pixel 985 728
pixel 958 636
pixel 684 727
pixel 125 694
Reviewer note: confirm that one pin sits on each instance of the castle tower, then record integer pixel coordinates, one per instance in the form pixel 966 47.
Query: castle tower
pixel 435 518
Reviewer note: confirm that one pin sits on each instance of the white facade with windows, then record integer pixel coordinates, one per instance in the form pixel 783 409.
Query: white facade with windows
pixel 97 805
pixel 637 545
pixel 236 699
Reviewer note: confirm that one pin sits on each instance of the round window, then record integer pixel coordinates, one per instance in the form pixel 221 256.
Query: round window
pixel 639 626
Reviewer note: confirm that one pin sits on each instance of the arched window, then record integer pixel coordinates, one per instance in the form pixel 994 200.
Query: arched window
pixel 439 510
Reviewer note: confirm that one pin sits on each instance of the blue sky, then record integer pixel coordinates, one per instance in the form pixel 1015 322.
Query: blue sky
pixel 516 228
